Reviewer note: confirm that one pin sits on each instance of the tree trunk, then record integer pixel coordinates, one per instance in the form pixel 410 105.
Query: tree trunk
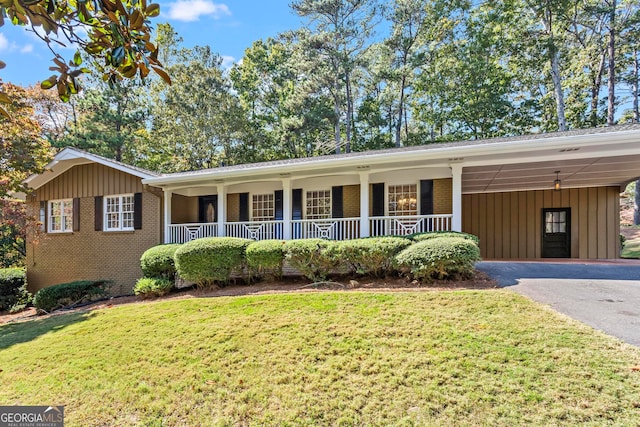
pixel 400 111
pixel 634 88
pixel 636 205
pixel 349 117
pixel 595 91
pixel 612 66
pixel 557 87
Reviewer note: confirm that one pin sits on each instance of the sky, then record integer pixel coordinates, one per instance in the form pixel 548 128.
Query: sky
pixel 229 28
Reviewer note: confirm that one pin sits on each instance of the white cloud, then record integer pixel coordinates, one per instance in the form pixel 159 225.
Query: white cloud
pixel 227 61
pixel 28 48
pixel 192 10
pixel 4 43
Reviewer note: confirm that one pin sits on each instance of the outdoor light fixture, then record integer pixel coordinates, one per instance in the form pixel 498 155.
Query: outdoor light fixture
pixel 556 183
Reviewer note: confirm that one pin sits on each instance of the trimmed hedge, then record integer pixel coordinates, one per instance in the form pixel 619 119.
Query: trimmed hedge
pixel 266 257
pixel 158 261
pixel 153 287
pixel 210 259
pixel 372 255
pixel 420 237
pixel 314 258
pixel 13 289
pixel 65 294
pixel 439 258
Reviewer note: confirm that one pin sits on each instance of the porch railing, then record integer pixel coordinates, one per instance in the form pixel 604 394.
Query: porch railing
pixel 257 230
pixel 181 233
pixel 403 225
pixel 333 228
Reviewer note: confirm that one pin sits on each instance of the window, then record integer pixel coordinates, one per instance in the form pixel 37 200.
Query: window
pixel 555 222
pixel 61 216
pixel 263 207
pixel 318 204
pixel 403 200
pixel 118 211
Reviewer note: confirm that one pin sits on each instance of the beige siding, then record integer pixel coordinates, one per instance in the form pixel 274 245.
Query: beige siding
pixel 90 255
pixel 184 209
pixel 88 181
pixel 510 224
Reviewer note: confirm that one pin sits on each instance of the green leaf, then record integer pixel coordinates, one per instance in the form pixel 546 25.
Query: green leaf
pixel 49 83
pixel 77 58
pixel 153 10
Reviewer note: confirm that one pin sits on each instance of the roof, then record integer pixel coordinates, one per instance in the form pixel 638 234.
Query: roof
pixel 70 157
pixel 445 152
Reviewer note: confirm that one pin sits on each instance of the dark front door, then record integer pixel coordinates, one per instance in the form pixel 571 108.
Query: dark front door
pixel 208 208
pixel 556 233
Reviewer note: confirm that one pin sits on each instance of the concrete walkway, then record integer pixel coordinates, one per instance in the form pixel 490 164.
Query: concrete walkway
pixel 605 296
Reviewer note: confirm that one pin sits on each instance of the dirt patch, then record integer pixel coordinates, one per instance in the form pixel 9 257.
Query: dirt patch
pixel 288 284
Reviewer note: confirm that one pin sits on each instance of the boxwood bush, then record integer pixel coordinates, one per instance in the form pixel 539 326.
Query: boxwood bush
pixel 444 257
pixel 210 259
pixel 419 237
pixel 65 294
pixel 158 261
pixel 314 258
pixel 266 257
pixel 374 255
pixel 153 286
pixel 13 289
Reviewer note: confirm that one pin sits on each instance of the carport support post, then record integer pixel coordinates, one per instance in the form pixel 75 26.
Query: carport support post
pixel 456 203
pixel 167 215
pixel 364 204
pixel 222 209
pixel 286 209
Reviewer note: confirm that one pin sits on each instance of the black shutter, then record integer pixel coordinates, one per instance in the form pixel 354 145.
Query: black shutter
pixel 137 211
pixel 377 205
pixel 278 205
pixel 76 214
pixel 244 207
pixel 426 197
pixel 44 208
pixel 296 201
pixel 98 213
pixel 336 202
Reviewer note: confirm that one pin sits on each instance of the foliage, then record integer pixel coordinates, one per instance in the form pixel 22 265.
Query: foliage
pixel 444 257
pixel 153 287
pixel 314 258
pixel 115 34
pixel 419 237
pixel 266 257
pixel 158 261
pixel 374 256
pixel 210 259
pixel 58 296
pixel 13 289
pixel 16 226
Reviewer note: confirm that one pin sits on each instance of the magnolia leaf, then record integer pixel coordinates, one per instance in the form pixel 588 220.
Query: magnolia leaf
pixel 4 113
pixel 162 74
pixel 2 65
pixel 5 98
pixel 49 83
pixel 153 10
pixel 77 58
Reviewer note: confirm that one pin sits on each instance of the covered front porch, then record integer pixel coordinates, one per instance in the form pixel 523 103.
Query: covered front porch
pixel 340 206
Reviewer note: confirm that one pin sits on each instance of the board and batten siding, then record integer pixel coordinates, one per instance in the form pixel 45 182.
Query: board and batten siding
pixel 88 180
pixel 509 224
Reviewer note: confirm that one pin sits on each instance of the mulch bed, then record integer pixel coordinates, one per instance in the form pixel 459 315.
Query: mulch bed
pixel 287 284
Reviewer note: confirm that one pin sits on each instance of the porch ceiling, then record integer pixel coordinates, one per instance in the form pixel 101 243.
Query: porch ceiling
pixel 585 172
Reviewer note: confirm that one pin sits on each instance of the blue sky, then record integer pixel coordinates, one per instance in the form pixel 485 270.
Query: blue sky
pixel 229 28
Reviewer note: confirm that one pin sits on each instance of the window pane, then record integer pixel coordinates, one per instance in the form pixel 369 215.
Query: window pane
pixel 318 204
pixel 403 200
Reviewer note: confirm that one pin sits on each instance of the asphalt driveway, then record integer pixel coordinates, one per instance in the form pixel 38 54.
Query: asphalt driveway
pixel 604 296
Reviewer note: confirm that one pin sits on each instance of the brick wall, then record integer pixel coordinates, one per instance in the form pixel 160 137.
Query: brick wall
pixel 351 201
pixel 442 196
pixel 233 207
pixel 90 255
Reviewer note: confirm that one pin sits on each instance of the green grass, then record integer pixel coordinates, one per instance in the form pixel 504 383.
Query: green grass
pixel 415 358
pixel 631 248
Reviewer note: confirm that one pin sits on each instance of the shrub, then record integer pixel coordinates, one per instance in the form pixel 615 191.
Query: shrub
pixel 266 257
pixel 420 237
pixel 153 286
pixel 13 289
pixel 315 258
pixel 210 259
pixel 158 261
pixel 373 256
pixel 439 258
pixel 65 294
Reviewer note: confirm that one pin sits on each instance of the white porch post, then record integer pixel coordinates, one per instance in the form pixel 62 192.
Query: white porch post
pixel 456 205
pixel 364 204
pixel 222 209
pixel 167 214
pixel 286 209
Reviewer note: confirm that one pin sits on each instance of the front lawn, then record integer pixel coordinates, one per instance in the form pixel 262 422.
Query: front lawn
pixel 332 358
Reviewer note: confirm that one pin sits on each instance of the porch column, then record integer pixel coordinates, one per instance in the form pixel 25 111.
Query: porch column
pixel 456 205
pixel 167 215
pixel 286 209
pixel 222 209
pixel 364 204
